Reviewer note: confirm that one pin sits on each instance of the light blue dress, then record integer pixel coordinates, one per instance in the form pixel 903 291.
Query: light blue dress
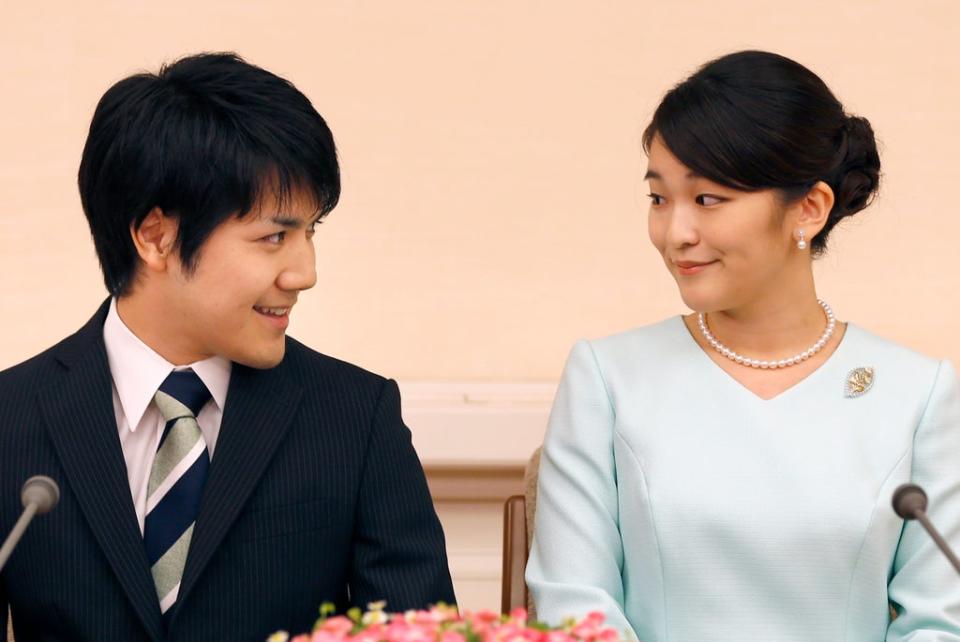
pixel 686 508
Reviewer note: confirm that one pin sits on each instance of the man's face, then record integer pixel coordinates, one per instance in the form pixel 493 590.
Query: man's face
pixel 237 301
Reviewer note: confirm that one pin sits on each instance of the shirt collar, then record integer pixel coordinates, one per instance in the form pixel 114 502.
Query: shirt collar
pixel 138 371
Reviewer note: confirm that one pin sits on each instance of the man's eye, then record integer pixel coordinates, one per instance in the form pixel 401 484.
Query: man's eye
pixel 655 199
pixel 709 199
pixel 275 238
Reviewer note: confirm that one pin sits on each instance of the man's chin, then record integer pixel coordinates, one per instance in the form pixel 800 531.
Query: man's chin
pixel 261 360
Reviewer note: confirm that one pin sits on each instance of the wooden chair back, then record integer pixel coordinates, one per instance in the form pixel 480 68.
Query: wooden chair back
pixel 518 516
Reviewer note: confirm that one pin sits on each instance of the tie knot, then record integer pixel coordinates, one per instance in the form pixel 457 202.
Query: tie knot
pixel 181 394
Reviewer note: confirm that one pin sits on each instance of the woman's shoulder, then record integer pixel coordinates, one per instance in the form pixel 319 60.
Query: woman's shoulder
pixel 863 343
pixel 903 366
pixel 631 351
pixel 661 335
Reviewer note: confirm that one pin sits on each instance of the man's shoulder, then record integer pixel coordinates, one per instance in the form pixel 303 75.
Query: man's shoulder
pixel 312 367
pixel 69 350
pixel 29 373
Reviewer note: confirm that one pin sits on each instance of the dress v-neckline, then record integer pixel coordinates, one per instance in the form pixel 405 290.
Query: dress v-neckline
pixel 714 366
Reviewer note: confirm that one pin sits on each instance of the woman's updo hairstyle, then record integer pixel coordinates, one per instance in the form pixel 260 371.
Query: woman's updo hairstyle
pixel 755 120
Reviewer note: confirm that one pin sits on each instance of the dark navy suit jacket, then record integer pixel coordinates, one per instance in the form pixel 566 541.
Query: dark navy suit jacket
pixel 314 494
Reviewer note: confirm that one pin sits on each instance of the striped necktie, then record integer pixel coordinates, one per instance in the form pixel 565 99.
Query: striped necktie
pixel 176 482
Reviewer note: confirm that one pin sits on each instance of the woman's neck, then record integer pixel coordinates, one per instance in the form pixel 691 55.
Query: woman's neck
pixel 781 324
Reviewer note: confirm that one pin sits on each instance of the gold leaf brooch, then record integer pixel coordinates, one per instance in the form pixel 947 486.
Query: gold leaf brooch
pixel 859 381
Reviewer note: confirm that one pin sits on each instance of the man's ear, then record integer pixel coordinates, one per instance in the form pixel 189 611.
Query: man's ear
pixel 154 239
pixel 814 208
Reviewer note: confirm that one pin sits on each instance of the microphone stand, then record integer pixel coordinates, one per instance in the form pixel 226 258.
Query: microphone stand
pixel 910 502
pixel 39 495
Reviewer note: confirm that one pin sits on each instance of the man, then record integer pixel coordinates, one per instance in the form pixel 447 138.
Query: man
pixel 219 479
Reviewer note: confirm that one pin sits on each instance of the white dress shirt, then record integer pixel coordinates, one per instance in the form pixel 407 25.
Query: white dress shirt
pixel 137 372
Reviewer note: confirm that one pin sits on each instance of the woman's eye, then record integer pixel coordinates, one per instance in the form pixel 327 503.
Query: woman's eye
pixel 655 199
pixel 275 238
pixel 709 199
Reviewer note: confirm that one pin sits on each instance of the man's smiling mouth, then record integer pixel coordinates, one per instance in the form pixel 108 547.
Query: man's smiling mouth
pixel 273 312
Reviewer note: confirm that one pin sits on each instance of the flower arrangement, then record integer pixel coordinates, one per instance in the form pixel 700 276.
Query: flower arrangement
pixel 443 623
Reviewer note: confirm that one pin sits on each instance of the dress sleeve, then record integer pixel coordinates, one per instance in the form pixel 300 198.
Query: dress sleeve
pixel 924 588
pixel 576 558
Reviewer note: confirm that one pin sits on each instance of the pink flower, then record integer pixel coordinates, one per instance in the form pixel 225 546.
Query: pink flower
pixel 401 631
pixel 452 636
pixel 516 631
pixel 444 623
pixel 338 626
pixel 589 627
pixel 557 636
pixel 608 635
pixel 436 615
pixel 519 614
pixel 485 616
pixel 373 633
pixel 482 621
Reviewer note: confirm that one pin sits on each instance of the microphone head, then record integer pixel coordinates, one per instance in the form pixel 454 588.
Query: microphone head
pixel 909 500
pixel 41 491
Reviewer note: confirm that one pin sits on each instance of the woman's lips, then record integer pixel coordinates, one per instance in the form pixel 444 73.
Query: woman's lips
pixel 689 268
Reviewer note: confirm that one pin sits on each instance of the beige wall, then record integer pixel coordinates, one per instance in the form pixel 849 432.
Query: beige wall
pixel 493 210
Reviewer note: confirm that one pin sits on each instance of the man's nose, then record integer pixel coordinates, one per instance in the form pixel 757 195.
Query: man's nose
pixel 301 272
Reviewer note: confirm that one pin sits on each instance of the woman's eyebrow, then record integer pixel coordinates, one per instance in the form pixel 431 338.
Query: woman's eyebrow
pixel 653 174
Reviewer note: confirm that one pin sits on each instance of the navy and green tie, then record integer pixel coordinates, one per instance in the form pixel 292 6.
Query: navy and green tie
pixel 176 482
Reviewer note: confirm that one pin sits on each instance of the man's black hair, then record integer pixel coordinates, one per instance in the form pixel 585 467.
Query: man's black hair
pixel 203 140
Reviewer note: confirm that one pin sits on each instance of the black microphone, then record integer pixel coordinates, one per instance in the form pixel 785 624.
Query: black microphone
pixel 910 502
pixel 39 495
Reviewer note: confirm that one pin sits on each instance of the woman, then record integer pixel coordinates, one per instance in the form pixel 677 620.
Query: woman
pixel 727 475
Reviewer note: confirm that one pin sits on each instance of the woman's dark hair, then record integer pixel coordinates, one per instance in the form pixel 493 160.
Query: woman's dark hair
pixel 755 120
pixel 203 140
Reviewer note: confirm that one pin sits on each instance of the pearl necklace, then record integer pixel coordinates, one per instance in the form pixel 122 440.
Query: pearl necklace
pixel 782 363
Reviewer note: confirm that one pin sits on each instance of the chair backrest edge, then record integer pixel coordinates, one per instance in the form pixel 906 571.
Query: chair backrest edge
pixel 513 591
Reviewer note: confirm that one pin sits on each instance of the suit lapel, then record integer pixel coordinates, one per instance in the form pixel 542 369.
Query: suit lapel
pixel 259 409
pixel 80 419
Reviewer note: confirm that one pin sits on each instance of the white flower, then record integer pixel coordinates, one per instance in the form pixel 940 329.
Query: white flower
pixel 373 617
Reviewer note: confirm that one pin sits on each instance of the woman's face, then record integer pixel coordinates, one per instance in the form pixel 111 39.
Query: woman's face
pixel 725 248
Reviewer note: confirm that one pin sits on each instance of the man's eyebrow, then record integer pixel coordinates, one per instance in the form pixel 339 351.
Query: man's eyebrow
pixel 288 222
pixel 294 222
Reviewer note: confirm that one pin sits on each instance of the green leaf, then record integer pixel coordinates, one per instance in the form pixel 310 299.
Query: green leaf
pixel 355 614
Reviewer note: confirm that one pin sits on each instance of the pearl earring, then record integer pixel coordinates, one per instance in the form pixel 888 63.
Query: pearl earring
pixel 801 242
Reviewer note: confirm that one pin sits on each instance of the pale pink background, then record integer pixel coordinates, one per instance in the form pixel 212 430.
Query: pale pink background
pixel 492 206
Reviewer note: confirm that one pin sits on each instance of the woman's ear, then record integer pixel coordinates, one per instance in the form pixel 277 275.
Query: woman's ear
pixel 154 239
pixel 813 209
